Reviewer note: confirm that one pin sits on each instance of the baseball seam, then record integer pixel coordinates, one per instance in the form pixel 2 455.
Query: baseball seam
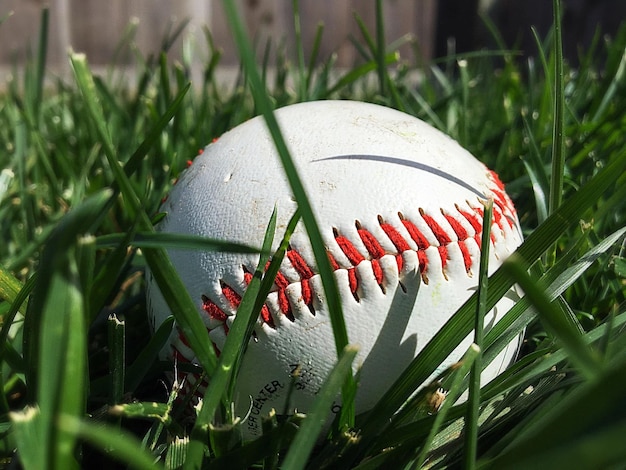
pixel 503 214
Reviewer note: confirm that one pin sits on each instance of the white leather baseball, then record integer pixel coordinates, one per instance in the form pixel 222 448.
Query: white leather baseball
pixel 399 205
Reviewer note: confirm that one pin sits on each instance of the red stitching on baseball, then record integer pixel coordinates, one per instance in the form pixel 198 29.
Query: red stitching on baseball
pixel 355 257
pixel 282 283
pixel 441 236
pixel 372 245
pixel 422 244
pixel 213 310
pixel 474 222
pixel 502 201
pixel 374 251
pixel 349 249
pixel 461 234
pixel 299 264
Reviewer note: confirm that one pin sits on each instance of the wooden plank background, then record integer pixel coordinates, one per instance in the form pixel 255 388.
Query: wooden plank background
pixel 96 26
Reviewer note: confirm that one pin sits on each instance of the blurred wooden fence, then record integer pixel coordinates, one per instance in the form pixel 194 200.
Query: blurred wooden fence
pixel 96 27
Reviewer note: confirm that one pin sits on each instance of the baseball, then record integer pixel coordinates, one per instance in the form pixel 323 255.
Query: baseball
pixel 400 208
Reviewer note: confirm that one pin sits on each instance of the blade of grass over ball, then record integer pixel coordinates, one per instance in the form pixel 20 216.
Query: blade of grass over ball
pixel 473 401
pixel 300 450
pixel 265 107
pixel 544 359
pixel 174 240
pixel 277 258
pixel 560 277
pixel 460 325
pixel 108 272
pixel 222 381
pixel 170 284
pixel 463 368
pixel 182 307
pixel 551 316
pixel 251 304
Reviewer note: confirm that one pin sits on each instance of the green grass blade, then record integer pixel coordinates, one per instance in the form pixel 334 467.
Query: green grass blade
pixel 612 89
pixel 265 107
pixel 538 176
pixel 463 114
pixel 169 282
pixel 145 410
pixel 473 411
pixel 27 433
pixel 80 220
pixel 9 287
pixel 307 435
pixel 42 54
pixel 580 430
pixel 314 55
pixel 587 362
pixel 62 362
pixel 116 443
pixel 532 367
pixel 381 66
pixel 117 358
pixel 107 275
pixel 558 149
pixel 357 73
pixel 442 344
pixel 367 38
pixel 555 282
pixel 302 81
pixel 176 453
pixel 174 240
pixel 135 159
pixel 7 324
pixel 146 357
pixel 142 363
pixel 230 358
pixel 466 364
pixel 241 333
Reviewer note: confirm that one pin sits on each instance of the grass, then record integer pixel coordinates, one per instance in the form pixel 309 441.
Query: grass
pixel 86 162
